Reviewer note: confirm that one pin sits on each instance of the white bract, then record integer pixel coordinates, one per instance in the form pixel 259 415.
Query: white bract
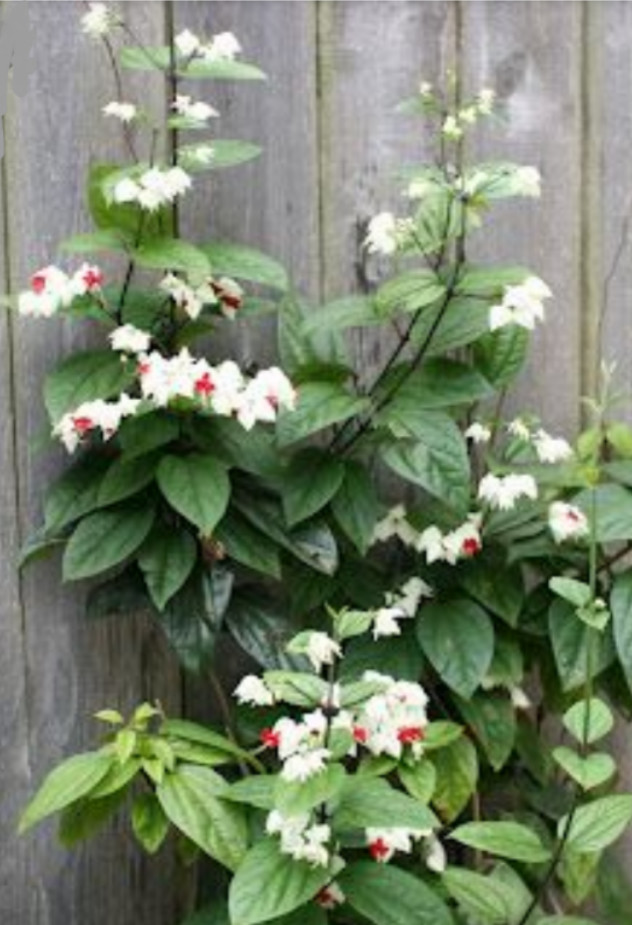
pixel 331 896
pixel 129 339
pixel 392 719
pixel 478 433
pixel 52 289
pixel 98 21
pixel 90 416
pixel 551 449
pixel 395 524
pixel 451 128
pixel 400 605
pixel 528 181
pixel 520 429
pixel 502 492
pixel 463 542
pixel 321 650
pixel 155 188
pixel 300 745
pixel 299 838
pixel 486 99
pixel 386 233
pixel 187 44
pixel 126 112
pixel 222 47
pixel 383 843
pixel 567 522
pixel 252 690
pixel 522 305
pixel 198 111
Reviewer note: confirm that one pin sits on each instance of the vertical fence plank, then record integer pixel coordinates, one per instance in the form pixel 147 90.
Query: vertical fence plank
pixel 72 667
pixel 530 53
pixel 372 56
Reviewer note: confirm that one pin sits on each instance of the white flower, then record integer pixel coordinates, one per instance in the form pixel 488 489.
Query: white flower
pixel 434 854
pixel 395 524
pixel 463 542
pixel 521 305
pixel 98 21
pixel 126 190
pixel 425 88
pixel 386 622
pixel 528 181
pixel 486 99
pixel 431 543
pixel 502 492
pixel 201 154
pixel 299 839
pixel 322 650
pixel 303 765
pixel 155 187
pixel 392 719
pixel 383 843
pixel 382 234
pixel 567 522
pixel 419 188
pixel 75 426
pixel 518 428
pixel 52 289
pixel 186 43
pixel 551 449
pixel 129 339
pixel 198 111
pixel 183 295
pixel 478 433
pixel 253 690
pixel 37 306
pixel 330 896
pixel 230 295
pixel 222 47
pixel 468 115
pixel 519 698
pixel 451 128
pixel 126 112
pixel 264 396
pixel 411 593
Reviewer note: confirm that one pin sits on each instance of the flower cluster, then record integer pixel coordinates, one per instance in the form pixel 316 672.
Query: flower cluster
pixel 383 843
pixel 126 112
pixel 454 125
pixel 386 233
pixel 464 541
pixel 154 188
pixel 101 415
pixel 522 305
pixel 99 20
pixel 221 47
pixel 502 492
pixel 300 745
pixel 400 605
pixel 224 292
pixel 301 838
pixel 567 522
pixel 197 111
pixel 394 719
pixel 52 289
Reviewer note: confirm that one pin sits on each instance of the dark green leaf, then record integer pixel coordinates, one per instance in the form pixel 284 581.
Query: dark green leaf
pixel 197 486
pixel 84 377
pixel 492 719
pixel 247 545
pixel 621 607
pixel 356 506
pixel 500 355
pixel 84 818
pixel 386 895
pixel 105 539
pixel 506 839
pixel 263 630
pixel 193 617
pixel 167 559
pixel 241 262
pixel 409 292
pixel 571 640
pixel 458 639
pixel 75 493
pixel 309 483
pixel 319 405
pixel 124 478
pixel 146 433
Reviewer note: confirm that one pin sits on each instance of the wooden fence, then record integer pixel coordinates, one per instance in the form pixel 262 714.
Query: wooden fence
pixel 332 140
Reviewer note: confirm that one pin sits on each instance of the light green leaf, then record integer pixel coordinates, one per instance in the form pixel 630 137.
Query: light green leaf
pixel 598 824
pixel 477 895
pixel 575 592
pixel 149 822
pixel 409 292
pixel 594 720
pixel 226 153
pixel 296 797
pixel 505 839
pixel 458 639
pixel 105 539
pixel 256 791
pixel 373 803
pixel 197 486
pixel 301 350
pixel 621 606
pixel 440 733
pixel 590 771
pixel 319 405
pixel 613 505
pixel 246 263
pixel 350 312
pixel 457 774
pixel 570 639
pixel 191 798
pixel 269 884
pixel 297 688
pixel 66 784
pixel 386 895
pixel 419 779
pixel 96 242
pixel 309 483
pixel 174 254
pixel 167 559
pixel 83 377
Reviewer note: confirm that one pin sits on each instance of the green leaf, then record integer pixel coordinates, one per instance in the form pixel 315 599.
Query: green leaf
pixel 309 483
pixel 84 377
pixel 319 405
pixel 440 733
pixel 263 630
pixel 167 559
pixel 191 797
pixel 419 779
pixel 477 895
pixel 621 607
pixel 143 434
pixel 192 618
pixel 246 263
pixel 350 312
pixel 432 455
pixel 269 884
pixel 149 822
pixel 84 818
pixel 296 797
pixel 397 656
pixel 457 774
pixel 440 383
pixel 197 486
pixel 300 350
pixel 158 58
pixel 296 687
pixel 256 791
pixel 66 784
pixel 75 493
pixel 373 803
pixel 590 771
pixel 201 735
pixel 120 218
pixel 492 719
pixel 446 328
pixel 174 254
pixel 105 539
pixel 96 242
pixel 124 478
pixel 247 545
pixel 350 623
pixel 409 292
pixel 565 920
pixel 570 639
pixel 356 506
pixel 506 839
pixel 594 720
pixel 598 824
pixel 575 592
pixel 613 505
pixel 501 354
pixel 458 639
pixel 614 891
pixel 385 895
pixel 227 152
pixel 117 778
pixel 495 585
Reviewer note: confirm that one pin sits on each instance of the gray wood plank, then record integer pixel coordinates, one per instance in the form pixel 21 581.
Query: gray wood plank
pixel 531 54
pixel 372 56
pixel 72 668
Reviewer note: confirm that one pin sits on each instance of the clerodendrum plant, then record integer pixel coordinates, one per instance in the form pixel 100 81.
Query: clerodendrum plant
pixel 391 763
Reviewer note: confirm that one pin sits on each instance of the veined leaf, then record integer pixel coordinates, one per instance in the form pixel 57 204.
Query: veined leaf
pixel 386 895
pixel 241 262
pixel 505 839
pixel 105 539
pixel 66 784
pixel 320 405
pixel 197 486
pixel 458 639
pixel 84 377
pixel 167 559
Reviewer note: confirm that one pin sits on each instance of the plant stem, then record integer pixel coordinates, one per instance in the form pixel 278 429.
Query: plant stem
pixel 172 87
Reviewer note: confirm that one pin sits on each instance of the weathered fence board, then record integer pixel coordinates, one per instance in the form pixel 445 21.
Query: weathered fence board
pixel 332 140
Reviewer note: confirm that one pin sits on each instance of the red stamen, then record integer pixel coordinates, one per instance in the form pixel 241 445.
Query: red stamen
pixel 470 546
pixel 38 283
pixel 204 385
pixel 360 734
pixel 270 738
pixel 82 425
pixel 93 278
pixel 379 849
pixel 409 734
